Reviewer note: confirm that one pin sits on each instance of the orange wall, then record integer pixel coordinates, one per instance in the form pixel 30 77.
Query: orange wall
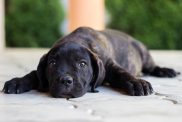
pixel 86 13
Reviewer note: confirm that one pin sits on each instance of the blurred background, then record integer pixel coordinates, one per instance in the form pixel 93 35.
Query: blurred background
pixel 39 23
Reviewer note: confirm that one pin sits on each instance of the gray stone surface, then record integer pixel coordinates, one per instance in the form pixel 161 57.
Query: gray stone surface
pixel 106 106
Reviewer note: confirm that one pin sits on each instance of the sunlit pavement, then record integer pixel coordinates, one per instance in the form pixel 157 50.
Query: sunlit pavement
pixel 106 106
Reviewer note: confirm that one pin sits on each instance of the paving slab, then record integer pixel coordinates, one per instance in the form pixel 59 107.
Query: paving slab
pixel 108 105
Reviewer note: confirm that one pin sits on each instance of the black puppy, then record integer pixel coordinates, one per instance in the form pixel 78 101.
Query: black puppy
pixel 87 58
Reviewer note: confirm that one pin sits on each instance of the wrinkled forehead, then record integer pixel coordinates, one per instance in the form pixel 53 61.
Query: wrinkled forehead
pixel 69 50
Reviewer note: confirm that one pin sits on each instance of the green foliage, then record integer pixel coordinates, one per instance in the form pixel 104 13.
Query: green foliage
pixel 157 23
pixel 33 23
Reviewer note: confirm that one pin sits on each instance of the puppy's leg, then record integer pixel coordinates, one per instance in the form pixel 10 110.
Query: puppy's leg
pixel 20 85
pixel 150 68
pixel 119 78
pixel 164 72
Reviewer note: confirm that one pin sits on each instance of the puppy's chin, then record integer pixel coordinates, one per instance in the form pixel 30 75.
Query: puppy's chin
pixel 66 94
pixel 61 95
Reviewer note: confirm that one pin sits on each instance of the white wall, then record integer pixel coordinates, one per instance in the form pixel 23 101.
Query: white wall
pixel 2 25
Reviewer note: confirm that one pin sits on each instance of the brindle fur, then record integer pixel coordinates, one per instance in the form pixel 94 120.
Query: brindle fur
pixel 117 58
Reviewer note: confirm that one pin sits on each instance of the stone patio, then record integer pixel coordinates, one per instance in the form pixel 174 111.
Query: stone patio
pixel 106 106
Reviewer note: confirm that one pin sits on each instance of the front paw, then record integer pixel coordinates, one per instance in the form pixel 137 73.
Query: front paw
pixel 138 87
pixel 164 72
pixel 15 86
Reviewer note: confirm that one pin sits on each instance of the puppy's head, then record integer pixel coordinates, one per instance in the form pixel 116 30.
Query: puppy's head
pixel 69 70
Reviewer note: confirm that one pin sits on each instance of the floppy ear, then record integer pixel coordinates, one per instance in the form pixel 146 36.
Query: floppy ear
pixel 41 69
pixel 98 70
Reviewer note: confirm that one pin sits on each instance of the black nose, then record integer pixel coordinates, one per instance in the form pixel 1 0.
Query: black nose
pixel 67 80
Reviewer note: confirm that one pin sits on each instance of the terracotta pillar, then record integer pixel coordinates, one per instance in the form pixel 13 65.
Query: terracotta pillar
pixel 86 13
pixel 2 27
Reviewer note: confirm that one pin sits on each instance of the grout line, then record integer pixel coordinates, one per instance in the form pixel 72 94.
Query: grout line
pixel 173 101
pixel 166 97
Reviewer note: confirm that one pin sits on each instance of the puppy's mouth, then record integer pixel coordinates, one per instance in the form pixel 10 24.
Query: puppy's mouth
pixel 63 91
pixel 57 93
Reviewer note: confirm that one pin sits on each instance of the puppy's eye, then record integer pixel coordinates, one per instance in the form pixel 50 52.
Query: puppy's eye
pixel 52 62
pixel 82 64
